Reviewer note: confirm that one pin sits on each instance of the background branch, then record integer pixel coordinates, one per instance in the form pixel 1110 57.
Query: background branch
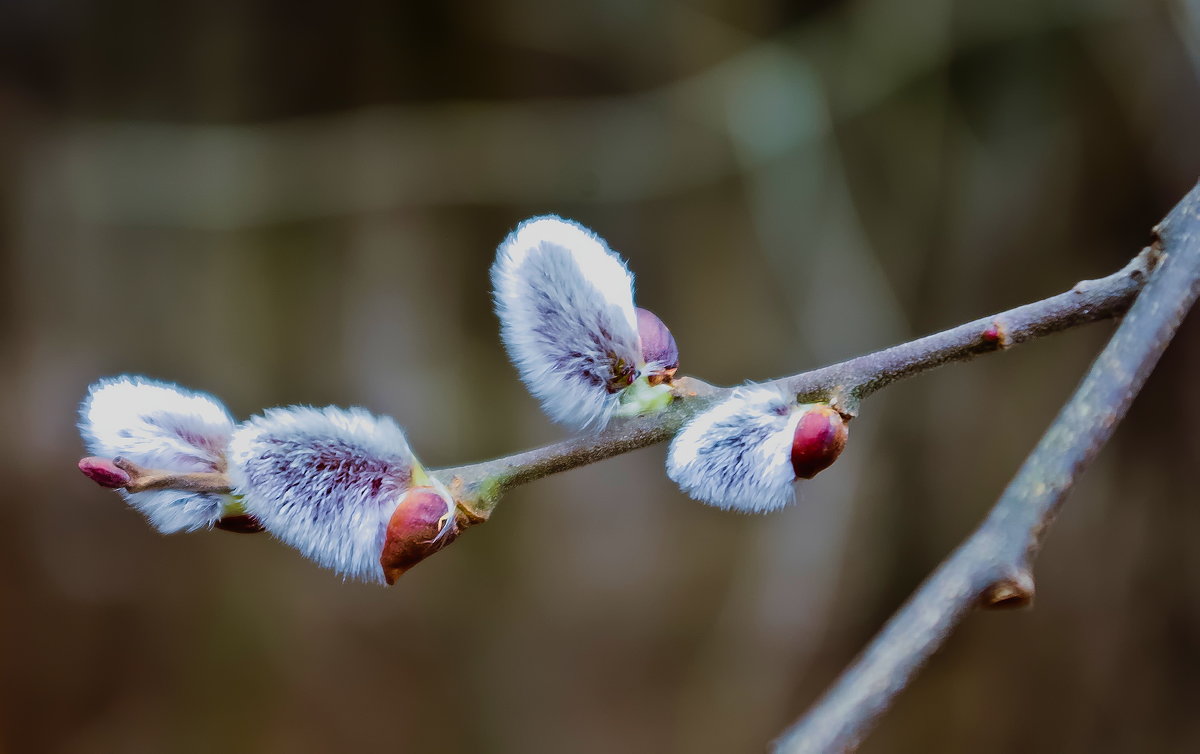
pixel 992 566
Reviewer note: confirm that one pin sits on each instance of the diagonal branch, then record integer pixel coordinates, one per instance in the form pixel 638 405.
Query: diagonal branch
pixel 478 487
pixel 992 567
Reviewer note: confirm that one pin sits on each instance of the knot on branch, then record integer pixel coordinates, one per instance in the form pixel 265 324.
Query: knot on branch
pixel 996 335
pixel 1015 589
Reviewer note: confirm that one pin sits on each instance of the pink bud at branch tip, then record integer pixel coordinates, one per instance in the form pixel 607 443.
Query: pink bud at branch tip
pixel 819 439
pixel 104 472
pixel 416 530
pixel 658 346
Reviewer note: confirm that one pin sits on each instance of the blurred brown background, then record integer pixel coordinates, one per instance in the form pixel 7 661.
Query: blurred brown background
pixel 283 202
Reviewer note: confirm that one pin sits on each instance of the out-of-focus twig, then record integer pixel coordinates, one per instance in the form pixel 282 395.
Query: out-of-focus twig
pixel 992 568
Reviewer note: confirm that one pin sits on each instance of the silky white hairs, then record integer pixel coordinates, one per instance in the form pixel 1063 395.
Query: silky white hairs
pixel 565 302
pixel 737 454
pixel 161 426
pixel 324 481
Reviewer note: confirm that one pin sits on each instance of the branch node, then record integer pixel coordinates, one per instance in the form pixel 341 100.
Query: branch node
pixel 124 464
pixel 997 335
pixel 468 513
pixel 1013 590
pixel 691 387
pixel 845 402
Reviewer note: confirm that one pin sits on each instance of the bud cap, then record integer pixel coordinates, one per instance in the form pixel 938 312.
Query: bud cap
pixel 423 523
pixel 104 472
pixel 659 351
pixel 818 441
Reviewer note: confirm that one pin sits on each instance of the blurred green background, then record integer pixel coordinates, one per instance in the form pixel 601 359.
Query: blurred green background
pixel 288 202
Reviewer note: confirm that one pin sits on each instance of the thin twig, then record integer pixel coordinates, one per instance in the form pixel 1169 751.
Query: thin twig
pixel 992 567
pixel 122 473
pixel 478 487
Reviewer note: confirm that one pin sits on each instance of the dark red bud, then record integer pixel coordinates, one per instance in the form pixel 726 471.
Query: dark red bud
pixel 996 334
pixel 104 472
pixel 819 439
pixel 412 532
pixel 658 345
pixel 240 524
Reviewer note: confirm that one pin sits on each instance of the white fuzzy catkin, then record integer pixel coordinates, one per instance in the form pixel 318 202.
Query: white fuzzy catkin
pixel 565 302
pixel 158 425
pixel 325 481
pixel 737 454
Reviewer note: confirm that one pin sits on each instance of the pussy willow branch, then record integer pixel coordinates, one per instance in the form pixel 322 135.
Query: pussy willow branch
pixel 478 487
pixel 992 567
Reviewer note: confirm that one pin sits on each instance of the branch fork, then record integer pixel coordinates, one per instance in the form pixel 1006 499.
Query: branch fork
pixel 992 568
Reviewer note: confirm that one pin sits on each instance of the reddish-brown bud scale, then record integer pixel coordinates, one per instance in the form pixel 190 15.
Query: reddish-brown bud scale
pixel 104 472
pixel 413 531
pixel 658 346
pixel 818 441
